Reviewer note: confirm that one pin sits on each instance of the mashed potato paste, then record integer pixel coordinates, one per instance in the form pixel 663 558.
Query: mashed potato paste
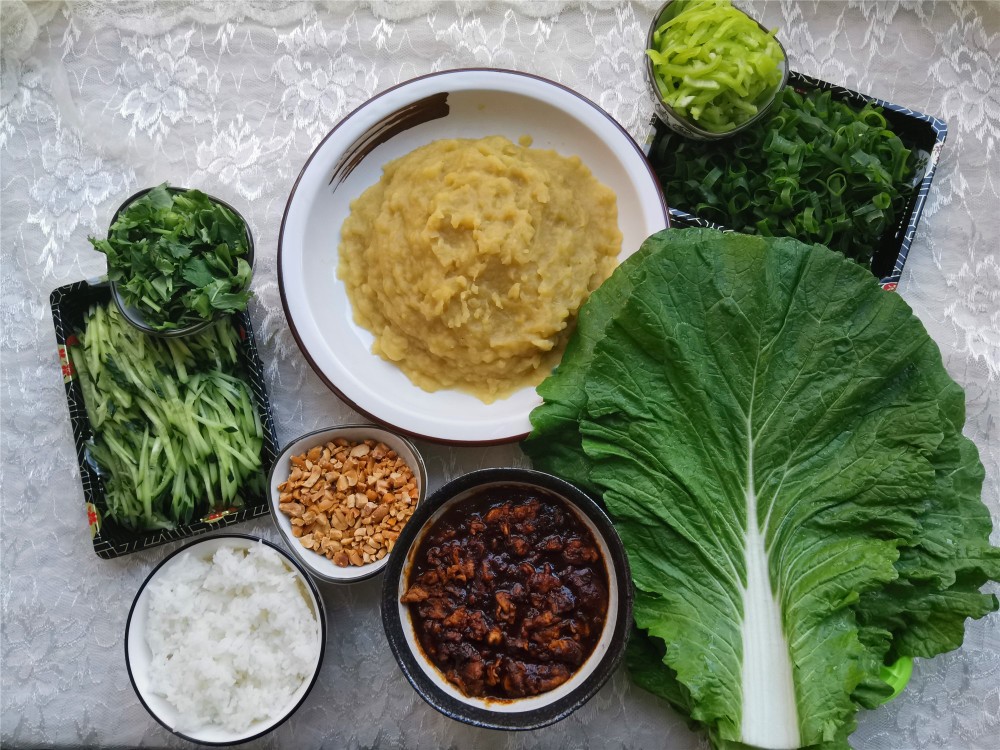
pixel 469 259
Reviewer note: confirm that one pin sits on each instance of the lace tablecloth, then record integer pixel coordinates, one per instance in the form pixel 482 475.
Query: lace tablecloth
pixel 99 100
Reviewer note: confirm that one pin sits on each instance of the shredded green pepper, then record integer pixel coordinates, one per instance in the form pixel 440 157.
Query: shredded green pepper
pixel 715 65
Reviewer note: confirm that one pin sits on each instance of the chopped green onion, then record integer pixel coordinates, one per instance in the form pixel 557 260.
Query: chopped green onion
pixel 814 152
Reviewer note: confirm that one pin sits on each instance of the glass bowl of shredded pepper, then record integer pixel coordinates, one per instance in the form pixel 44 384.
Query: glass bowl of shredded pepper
pixel 712 69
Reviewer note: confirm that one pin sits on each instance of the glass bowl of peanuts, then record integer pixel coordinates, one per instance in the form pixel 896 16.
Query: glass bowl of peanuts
pixel 341 495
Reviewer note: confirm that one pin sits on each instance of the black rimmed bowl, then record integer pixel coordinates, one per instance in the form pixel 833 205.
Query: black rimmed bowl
pixel 469 103
pixel 133 314
pixel 138 654
pixel 685 125
pixel 320 566
pixel 524 713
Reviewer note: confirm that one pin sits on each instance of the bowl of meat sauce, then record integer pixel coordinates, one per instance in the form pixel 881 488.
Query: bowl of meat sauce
pixel 507 601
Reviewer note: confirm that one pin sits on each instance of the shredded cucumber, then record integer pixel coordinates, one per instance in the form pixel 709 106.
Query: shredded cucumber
pixel 175 430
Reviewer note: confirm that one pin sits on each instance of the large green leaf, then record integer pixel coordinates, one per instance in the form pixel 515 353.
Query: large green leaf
pixel 644 658
pixel 769 429
pixel 941 573
pixel 564 395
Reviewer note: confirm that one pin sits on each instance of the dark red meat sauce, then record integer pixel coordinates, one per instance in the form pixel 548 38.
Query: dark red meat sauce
pixel 508 593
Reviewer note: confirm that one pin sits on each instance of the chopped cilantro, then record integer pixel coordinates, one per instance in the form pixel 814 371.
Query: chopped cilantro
pixel 178 257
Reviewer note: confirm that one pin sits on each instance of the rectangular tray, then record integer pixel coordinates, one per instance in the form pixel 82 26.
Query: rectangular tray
pixel 69 305
pixel 917 131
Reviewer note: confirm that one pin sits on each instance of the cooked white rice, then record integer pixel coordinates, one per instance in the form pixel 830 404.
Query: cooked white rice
pixel 233 638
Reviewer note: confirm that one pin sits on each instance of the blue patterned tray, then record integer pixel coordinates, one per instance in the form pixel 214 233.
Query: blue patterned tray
pixel 918 131
pixel 69 305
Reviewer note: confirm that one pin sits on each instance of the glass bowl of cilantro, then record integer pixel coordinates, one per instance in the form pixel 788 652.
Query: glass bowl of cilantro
pixel 177 260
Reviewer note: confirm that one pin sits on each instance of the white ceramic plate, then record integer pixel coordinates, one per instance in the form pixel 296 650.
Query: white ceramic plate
pixel 452 104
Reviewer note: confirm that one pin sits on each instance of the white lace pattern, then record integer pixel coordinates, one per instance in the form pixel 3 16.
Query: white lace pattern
pixel 99 99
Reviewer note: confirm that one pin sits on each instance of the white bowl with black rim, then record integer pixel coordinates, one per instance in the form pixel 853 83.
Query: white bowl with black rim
pixel 544 708
pixel 471 103
pixel 138 655
pixel 318 565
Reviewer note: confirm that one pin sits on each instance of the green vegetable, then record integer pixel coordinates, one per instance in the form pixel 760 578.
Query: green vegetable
pixel 714 65
pixel 816 170
pixel 175 431
pixel 897 674
pixel 716 378
pixel 178 257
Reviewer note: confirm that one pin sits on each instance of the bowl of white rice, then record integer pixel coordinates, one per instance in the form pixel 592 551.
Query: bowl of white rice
pixel 225 639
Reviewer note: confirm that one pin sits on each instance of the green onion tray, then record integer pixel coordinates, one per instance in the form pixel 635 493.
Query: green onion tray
pixel 922 133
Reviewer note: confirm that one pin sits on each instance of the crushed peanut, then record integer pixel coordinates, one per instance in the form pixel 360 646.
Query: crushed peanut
pixel 348 501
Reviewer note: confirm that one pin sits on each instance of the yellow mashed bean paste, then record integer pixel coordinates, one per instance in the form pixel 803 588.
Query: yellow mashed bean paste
pixel 469 259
